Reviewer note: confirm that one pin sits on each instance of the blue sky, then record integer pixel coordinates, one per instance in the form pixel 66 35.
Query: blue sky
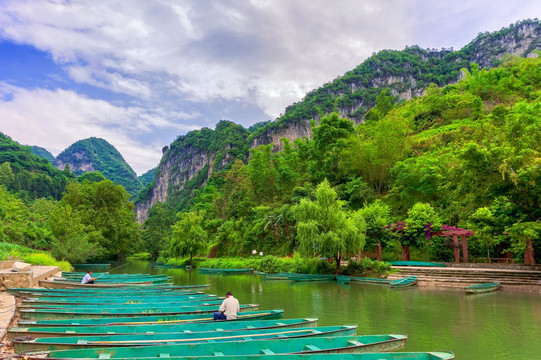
pixel 139 73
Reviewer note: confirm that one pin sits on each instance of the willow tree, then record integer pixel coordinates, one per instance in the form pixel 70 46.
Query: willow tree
pixel 326 228
pixel 189 237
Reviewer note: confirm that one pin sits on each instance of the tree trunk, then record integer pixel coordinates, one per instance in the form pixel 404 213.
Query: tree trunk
pixel 191 261
pixel 405 252
pixel 379 251
pixel 528 254
pixel 338 261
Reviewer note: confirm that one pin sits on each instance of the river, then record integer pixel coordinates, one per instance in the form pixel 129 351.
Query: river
pixel 491 326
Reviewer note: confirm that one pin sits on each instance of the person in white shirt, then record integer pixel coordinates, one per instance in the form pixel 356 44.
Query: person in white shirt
pixel 229 308
pixel 88 279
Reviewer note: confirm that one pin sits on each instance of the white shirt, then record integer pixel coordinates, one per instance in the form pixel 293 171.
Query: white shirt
pixel 86 279
pixel 230 307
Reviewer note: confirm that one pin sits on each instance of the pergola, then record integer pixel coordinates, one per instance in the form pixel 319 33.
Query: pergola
pixel 455 233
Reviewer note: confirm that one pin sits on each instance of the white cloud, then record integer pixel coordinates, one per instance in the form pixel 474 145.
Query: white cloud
pixel 56 119
pixel 262 53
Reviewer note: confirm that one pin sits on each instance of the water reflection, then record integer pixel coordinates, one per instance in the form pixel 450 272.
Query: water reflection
pixel 498 325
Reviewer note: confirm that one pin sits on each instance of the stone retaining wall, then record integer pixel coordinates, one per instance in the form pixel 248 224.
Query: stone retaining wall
pixel 6 264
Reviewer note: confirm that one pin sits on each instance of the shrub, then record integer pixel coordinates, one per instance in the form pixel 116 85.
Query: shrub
pixel 140 256
pixel 46 259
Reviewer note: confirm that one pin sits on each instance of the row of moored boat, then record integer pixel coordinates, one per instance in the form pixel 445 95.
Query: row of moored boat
pixel 136 316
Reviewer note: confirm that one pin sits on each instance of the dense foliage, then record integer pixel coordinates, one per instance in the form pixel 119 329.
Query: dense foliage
pixel 464 154
pixel 29 175
pixel 44 153
pixel 404 72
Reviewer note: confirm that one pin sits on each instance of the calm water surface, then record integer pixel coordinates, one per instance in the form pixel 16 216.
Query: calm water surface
pixel 498 325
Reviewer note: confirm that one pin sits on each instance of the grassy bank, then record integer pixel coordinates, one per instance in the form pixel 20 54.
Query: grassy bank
pixel 295 264
pixel 30 256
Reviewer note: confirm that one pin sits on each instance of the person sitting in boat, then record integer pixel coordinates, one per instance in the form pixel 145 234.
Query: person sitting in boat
pixel 229 308
pixel 88 279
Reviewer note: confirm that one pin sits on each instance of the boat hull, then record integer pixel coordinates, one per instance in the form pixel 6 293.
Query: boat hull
pixel 482 288
pixel 306 345
pixel 84 342
pixel 46 314
pixel 225 326
pixel 155 319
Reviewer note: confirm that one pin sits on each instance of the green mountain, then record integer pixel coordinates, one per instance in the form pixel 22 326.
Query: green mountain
pixel 44 153
pixel 400 75
pixel 96 154
pixel 403 73
pixel 30 175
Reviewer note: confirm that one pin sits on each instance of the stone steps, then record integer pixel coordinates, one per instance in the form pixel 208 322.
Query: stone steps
pixel 452 276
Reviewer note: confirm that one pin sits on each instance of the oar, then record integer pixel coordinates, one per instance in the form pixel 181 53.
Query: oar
pixel 118 267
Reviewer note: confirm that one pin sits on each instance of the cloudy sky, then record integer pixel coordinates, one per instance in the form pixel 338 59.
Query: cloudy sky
pixel 139 73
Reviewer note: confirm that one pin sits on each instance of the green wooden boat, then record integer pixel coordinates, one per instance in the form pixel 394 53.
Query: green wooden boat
pixel 44 314
pixel 98 265
pixel 278 276
pixel 225 271
pixel 117 282
pixel 117 300
pixel 108 278
pixel 341 279
pixel 404 282
pixel 77 285
pixel 223 326
pixel 306 345
pixel 151 319
pixel 417 263
pixel 128 305
pixel 83 342
pixel 433 355
pixel 109 291
pixel 482 288
pixel 366 280
pixel 311 277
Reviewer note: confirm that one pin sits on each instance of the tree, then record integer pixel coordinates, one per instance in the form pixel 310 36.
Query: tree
pixel 188 237
pixel 157 229
pixel 484 223
pixel 107 208
pixel 329 140
pixel 74 241
pixel 384 104
pixel 422 219
pixel 377 217
pixel 325 228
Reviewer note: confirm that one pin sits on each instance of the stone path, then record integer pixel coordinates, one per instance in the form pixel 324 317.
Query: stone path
pixel 7 311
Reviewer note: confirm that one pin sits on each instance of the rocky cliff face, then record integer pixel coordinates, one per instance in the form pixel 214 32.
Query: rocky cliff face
pixel 79 163
pixel 175 169
pixel 190 161
pixel 486 50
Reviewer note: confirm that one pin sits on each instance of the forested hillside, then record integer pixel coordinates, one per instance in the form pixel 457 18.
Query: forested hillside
pixel 96 154
pixel 465 155
pixel 27 174
pixel 394 76
pixel 41 152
